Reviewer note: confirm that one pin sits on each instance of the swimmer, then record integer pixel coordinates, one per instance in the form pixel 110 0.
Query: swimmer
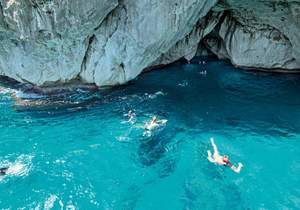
pixel 16 169
pixel 222 160
pixel 159 93
pixel 3 171
pixel 203 72
pixel 131 115
pixel 153 96
pixel 154 123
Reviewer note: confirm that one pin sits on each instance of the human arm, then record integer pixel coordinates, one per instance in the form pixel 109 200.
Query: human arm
pixel 237 169
pixel 162 121
pixel 209 157
pixel 216 152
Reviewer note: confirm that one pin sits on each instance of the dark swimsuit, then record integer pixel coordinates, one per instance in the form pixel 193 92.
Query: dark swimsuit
pixel 228 164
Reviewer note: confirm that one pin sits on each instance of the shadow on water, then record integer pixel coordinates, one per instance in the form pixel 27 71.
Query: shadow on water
pixel 152 149
pixel 157 149
pixel 196 194
pixel 211 183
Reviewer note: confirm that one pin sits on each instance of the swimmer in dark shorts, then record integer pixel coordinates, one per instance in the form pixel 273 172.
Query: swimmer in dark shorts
pixel 221 159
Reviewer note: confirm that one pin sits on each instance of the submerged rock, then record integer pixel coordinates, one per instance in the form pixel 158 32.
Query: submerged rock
pixel 109 42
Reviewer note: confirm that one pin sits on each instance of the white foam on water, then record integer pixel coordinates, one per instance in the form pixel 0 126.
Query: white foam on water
pixel 6 93
pixel 16 169
pixel 184 83
pixel 160 93
pixel 6 90
pixel 154 95
pixel 49 203
pixel 61 204
pixel 203 73
pixel 70 207
pixel 20 167
pixel 10 3
pixel 123 139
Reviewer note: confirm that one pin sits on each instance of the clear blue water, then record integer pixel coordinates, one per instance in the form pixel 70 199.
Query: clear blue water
pixel 84 155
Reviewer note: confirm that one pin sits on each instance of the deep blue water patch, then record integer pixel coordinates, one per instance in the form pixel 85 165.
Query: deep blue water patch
pixel 79 151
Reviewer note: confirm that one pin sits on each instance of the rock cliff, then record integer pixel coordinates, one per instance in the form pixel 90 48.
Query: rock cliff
pixel 259 34
pixel 109 42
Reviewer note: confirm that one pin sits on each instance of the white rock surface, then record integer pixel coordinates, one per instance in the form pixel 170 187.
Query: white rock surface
pixel 283 15
pixel 253 48
pixel 188 46
pixel 259 34
pixel 109 42
pixel 106 42
pixel 136 34
pixel 43 41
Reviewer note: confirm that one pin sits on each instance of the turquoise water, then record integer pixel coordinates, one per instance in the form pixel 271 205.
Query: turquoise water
pixel 81 153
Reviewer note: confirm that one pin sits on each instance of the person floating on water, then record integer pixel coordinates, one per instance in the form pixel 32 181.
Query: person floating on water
pixel 222 160
pixel 154 123
pixel 3 171
pixel 131 115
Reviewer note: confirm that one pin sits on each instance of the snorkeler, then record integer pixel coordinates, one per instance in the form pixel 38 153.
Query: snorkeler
pixel 222 160
pixel 3 171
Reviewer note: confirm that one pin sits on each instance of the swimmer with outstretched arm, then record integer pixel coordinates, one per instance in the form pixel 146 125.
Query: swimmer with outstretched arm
pixel 154 123
pixel 222 160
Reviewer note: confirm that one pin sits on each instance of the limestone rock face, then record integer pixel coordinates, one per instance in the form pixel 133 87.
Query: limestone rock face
pixel 259 34
pixel 136 34
pixel 188 46
pixel 106 42
pixel 44 41
pixel 109 42
pixel 253 48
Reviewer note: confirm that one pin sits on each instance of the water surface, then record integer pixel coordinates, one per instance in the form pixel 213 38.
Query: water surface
pixel 82 153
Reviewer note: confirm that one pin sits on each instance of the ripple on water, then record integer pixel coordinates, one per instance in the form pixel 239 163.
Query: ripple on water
pixel 77 150
pixel 20 167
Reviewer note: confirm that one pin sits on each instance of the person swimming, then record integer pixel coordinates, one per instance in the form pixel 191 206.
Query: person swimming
pixel 154 123
pixel 3 171
pixel 222 160
pixel 131 115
